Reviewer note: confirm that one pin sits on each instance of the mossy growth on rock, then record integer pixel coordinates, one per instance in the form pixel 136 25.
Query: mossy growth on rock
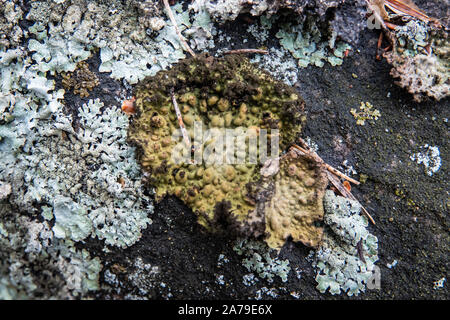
pixel 234 100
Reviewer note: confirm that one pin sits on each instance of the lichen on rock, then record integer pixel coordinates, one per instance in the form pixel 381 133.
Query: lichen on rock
pixel 81 81
pixel 229 93
pixel 366 112
pixel 89 178
pixel 346 259
pixel 260 258
pixel 305 42
pixel 421 60
pixel 10 31
pixel 296 206
pixel 36 264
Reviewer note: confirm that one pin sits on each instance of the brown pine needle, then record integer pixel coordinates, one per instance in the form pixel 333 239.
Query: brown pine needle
pixel 174 22
pixel 407 7
pixel 247 51
pixel 333 175
pixel 327 166
pixel 347 194
pixel 340 174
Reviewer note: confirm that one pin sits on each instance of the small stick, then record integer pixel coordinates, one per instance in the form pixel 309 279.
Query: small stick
pixel 180 119
pixel 332 175
pixel 327 166
pixel 174 22
pixel 347 194
pixel 247 51
pixel 340 174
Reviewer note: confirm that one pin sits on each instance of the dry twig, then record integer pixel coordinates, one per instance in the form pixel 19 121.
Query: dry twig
pixel 307 149
pixel 174 22
pixel 180 119
pixel 333 175
pixel 247 51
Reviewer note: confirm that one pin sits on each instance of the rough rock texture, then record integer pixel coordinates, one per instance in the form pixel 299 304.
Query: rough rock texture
pixel 401 159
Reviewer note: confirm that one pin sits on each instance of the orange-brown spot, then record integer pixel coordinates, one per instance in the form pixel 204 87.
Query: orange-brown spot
pixel 128 106
pixel 347 185
pixel 346 53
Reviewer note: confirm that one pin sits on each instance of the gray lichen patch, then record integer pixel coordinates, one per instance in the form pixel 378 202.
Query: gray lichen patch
pixel 5 190
pixel 36 264
pixel 305 42
pixel 91 182
pixel 259 258
pixel 88 177
pixel 10 31
pixel 346 258
pixel 82 184
pixel 421 60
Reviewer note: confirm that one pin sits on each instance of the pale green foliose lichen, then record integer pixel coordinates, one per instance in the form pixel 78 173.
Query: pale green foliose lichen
pixel 305 42
pixel 89 177
pixel 258 259
pixel 36 264
pixel 412 38
pixel 55 53
pixel 83 183
pixel 341 266
pixel 135 39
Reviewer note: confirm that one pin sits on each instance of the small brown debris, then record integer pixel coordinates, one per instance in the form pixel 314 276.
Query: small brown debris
pixel 81 80
pixel 246 51
pixel 128 106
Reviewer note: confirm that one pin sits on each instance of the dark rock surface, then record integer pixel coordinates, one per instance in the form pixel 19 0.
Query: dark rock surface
pixel 410 208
